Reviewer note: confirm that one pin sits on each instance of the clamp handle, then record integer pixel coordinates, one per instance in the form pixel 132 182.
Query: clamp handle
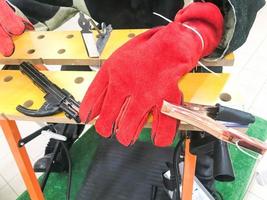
pixel 30 137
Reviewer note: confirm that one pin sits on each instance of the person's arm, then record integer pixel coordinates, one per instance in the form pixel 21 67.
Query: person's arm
pixel 239 16
pixel 44 15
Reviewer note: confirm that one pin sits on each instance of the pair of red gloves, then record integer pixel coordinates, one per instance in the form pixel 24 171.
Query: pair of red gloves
pixel 10 24
pixel 137 77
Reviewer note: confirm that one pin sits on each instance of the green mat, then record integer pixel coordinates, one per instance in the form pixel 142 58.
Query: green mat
pixel 243 165
pixel 83 151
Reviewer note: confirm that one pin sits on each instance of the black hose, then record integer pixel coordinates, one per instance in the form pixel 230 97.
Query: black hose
pixel 49 166
pixel 70 170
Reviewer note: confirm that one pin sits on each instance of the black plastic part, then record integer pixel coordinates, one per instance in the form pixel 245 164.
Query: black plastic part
pixel 58 165
pixel 75 68
pixel 223 169
pixel 84 23
pixel 70 113
pixel 45 110
pixel 11 67
pixel 57 99
pixel 204 171
pixel 233 115
pixel 201 142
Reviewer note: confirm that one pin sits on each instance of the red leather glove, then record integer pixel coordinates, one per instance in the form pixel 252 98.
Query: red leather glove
pixel 10 24
pixel 136 78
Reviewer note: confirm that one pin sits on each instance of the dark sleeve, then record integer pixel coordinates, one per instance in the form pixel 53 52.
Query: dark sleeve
pixel 246 12
pixel 239 16
pixel 129 14
pixel 45 14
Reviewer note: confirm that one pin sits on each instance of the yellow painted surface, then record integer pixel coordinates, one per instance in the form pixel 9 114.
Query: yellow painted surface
pixel 197 88
pixel 21 89
pixel 230 56
pixel 203 88
pixel 49 47
pixel 120 36
pixel 67 47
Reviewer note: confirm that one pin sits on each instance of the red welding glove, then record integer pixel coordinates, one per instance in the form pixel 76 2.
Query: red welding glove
pixel 10 24
pixel 136 78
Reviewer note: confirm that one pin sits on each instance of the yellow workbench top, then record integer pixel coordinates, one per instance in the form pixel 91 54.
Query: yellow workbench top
pixel 68 48
pixel 18 89
pixel 120 36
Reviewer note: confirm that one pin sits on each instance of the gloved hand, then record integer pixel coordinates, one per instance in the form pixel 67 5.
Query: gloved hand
pixel 136 78
pixel 10 24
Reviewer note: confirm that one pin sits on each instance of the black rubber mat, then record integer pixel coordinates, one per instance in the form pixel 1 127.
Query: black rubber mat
pixel 120 173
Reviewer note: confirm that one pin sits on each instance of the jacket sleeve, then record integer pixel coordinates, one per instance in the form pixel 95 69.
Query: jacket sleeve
pixel 44 15
pixel 245 12
pixel 239 16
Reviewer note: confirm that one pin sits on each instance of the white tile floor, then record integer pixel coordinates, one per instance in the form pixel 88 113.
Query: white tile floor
pixel 249 74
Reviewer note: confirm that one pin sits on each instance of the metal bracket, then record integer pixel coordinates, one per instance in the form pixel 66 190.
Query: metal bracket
pixel 87 26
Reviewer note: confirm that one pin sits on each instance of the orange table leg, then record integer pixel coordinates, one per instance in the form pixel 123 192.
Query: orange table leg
pixel 189 172
pixel 22 159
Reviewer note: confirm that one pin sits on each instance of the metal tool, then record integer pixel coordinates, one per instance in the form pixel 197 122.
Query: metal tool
pixel 57 99
pixel 88 25
pixel 103 38
pixel 84 24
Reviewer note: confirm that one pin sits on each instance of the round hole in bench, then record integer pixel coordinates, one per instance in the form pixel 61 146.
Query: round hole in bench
pixel 225 97
pixel 70 36
pixel 61 51
pixel 8 78
pixel 131 35
pixel 78 80
pixel 41 36
pixel 28 103
pixel 31 51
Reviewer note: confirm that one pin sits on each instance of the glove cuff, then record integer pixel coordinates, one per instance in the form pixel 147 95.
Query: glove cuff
pixel 207 20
